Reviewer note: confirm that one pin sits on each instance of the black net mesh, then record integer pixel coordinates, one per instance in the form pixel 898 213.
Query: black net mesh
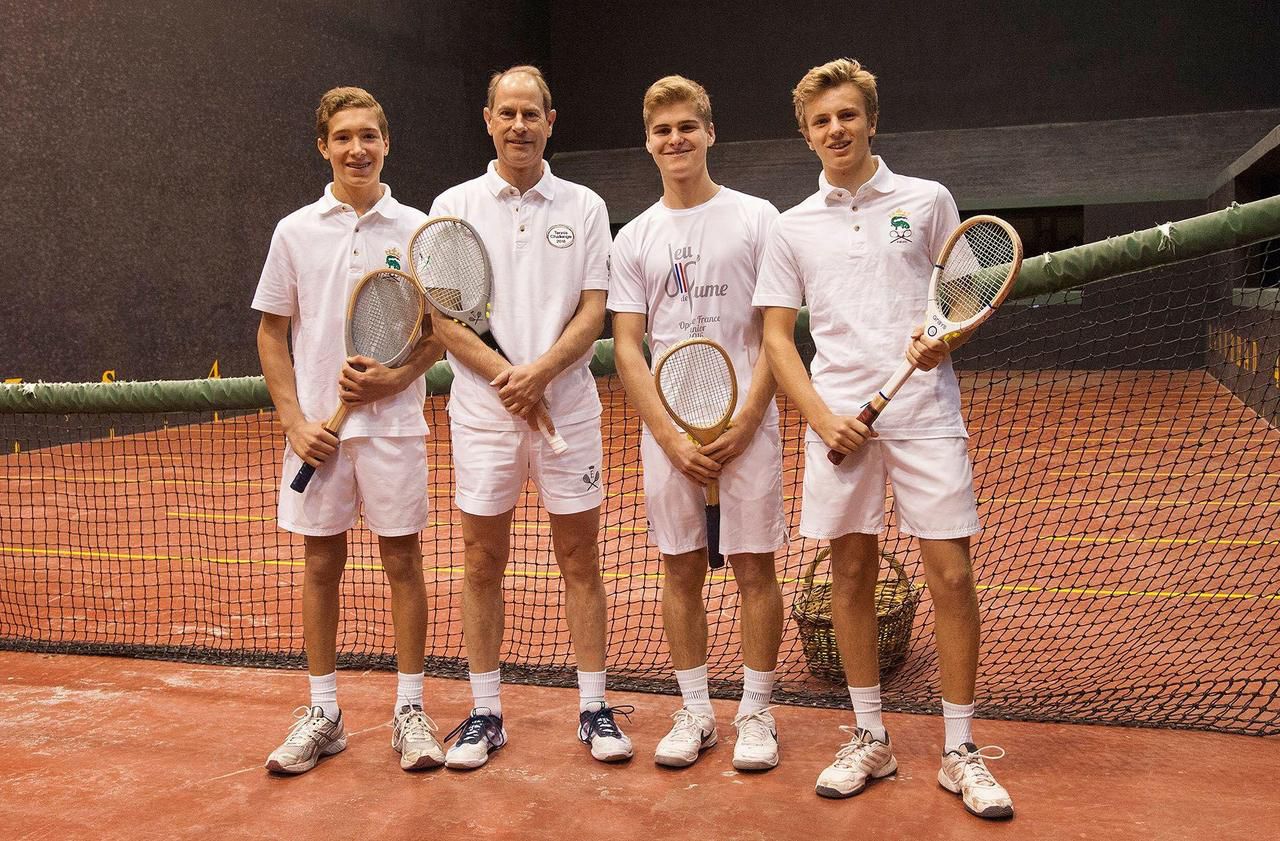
pixel 1126 459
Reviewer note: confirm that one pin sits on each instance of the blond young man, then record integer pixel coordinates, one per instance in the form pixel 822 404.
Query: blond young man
pixel 317 255
pixel 686 267
pixel 859 252
pixel 548 242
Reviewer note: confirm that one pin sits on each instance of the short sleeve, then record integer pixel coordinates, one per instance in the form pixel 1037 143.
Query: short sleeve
pixel 277 291
pixel 780 283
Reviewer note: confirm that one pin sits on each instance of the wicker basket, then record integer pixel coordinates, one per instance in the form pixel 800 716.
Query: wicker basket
pixel 896 602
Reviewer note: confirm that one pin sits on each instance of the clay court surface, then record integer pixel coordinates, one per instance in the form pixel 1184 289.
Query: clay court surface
pixel 109 748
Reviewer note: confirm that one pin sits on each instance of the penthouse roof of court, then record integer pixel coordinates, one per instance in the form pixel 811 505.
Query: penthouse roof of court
pixel 1147 159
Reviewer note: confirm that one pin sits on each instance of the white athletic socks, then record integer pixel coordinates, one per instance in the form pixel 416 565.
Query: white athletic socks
pixel 958 719
pixel 757 690
pixel 590 690
pixel 486 690
pixel 408 690
pixel 324 694
pixel 694 692
pixel 866 709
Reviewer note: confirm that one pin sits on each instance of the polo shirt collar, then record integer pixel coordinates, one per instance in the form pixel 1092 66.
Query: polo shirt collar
pixel 496 184
pixel 386 207
pixel 881 181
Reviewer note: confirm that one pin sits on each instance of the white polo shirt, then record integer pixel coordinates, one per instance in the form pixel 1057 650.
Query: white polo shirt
pixel 862 263
pixel 692 272
pixel 317 255
pixel 546 248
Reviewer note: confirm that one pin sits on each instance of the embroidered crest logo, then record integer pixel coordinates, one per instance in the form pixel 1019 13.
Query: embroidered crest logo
pixel 561 236
pixel 592 478
pixel 393 258
pixel 899 227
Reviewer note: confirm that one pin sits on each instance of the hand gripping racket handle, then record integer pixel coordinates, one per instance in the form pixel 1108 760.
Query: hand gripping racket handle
pixel 333 427
pixel 872 410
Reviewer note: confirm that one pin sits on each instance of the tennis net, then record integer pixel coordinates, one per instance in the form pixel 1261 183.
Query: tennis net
pixel 1126 456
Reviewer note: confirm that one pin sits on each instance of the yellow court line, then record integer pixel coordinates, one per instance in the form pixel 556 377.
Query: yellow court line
pixel 1102 591
pixel 1176 503
pixel 238 518
pixel 1160 474
pixel 1163 541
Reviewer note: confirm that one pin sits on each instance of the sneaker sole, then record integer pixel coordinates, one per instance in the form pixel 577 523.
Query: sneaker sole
pixel 837 794
pixel 303 767
pixel 755 764
pixel 424 762
pixel 612 757
pixel 991 813
pixel 668 761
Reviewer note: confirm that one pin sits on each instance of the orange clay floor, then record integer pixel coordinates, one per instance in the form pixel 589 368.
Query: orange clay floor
pixel 105 748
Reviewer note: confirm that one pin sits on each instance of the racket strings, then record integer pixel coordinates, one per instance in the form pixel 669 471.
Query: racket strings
pixel 385 317
pixel 450 263
pixel 975 271
pixel 697 384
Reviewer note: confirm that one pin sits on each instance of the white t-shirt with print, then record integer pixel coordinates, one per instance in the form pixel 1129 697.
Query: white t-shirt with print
pixel 692 273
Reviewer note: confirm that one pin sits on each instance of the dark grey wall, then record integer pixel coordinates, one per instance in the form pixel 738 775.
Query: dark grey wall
pixel 941 65
pixel 150 148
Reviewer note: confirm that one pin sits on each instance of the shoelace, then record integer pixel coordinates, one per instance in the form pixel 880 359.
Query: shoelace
pixel 753 729
pixel 304 727
pixel 973 766
pixel 418 726
pixel 852 751
pixel 601 723
pixel 478 726
pixel 687 724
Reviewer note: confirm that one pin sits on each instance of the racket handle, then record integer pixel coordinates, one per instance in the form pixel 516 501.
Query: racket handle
pixel 867 417
pixel 300 481
pixel 714 559
pixel 557 443
pixel 554 440
pixel 872 410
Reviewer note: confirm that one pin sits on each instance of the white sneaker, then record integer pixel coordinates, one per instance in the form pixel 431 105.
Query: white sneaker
pixel 964 772
pixel 413 737
pixel 862 758
pixel 757 745
pixel 598 729
pixel 691 734
pixel 312 737
pixel 478 736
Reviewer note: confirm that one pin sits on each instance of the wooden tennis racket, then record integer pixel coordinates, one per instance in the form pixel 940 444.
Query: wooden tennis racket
pixel 973 276
pixel 384 321
pixel 699 390
pixel 450 261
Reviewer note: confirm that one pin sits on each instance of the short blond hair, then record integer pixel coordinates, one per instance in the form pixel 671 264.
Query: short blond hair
pixel 338 99
pixel 670 90
pixel 841 71
pixel 530 71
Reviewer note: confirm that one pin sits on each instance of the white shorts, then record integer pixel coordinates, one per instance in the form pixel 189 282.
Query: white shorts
pixel 389 475
pixel 751 518
pixel 491 467
pixel 932 489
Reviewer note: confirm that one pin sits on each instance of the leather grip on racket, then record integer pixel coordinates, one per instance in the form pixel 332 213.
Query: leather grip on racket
pixel 303 477
pixel 872 410
pixel 714 559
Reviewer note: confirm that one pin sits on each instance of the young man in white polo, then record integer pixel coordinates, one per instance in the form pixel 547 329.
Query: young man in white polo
pixel 859 253
pixel 548 243
pixel 712 239
pixel 317 255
